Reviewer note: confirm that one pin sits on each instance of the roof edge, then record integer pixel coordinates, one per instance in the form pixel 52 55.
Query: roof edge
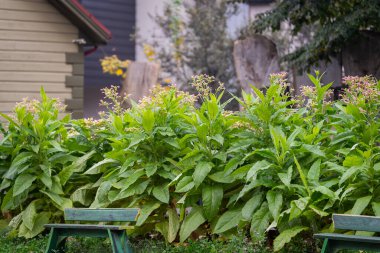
pixel 87 23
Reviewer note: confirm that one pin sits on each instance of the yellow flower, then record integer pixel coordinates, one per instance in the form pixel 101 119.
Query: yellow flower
pixel 167 80
pixel 119 72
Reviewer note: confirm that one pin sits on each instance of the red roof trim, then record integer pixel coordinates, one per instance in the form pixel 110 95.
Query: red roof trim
pixel 84 11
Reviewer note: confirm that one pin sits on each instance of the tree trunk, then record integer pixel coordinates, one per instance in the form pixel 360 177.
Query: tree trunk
pixel 141 78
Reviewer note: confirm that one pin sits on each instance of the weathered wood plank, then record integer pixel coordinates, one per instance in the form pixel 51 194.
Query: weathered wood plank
pixel 27 6
pixel 37 16
pixel 32 77
pixel 36 67
pixel 87 226
pixel 352 238
pixel 38 46
pixel 33 87
pixel 101 214
pixel 37 36
pixel 32 56
pixel 19 96
pixel 357 222
pixel 12 25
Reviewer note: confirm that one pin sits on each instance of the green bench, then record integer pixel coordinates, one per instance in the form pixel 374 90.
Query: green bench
pixel 116 234
pixel 334 242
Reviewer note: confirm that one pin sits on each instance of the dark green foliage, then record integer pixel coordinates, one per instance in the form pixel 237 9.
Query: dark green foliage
pixel 335 23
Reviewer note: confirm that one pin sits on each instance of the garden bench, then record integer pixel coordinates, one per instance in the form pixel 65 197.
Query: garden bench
pixel 334 242
pixel 116 233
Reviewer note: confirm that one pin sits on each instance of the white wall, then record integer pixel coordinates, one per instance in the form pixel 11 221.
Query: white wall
pixel 147 28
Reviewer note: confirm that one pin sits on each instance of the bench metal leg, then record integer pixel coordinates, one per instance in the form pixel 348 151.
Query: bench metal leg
pixel 56 243
pixel 119 241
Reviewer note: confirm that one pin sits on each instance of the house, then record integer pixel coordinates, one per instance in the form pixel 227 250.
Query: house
pixel 42 44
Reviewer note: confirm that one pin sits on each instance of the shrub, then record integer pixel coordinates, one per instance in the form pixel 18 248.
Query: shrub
pixel 278 169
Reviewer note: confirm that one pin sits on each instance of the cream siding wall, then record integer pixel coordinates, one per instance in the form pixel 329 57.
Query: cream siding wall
pixel 34 40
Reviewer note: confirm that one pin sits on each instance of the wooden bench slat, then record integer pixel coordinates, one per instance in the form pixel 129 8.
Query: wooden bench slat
pixel 357 222
pixel 101 214
pixel 353 238
pixel 88 226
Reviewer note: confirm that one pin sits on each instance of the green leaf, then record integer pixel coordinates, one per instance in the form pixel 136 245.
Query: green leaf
pixel 360 205
pixel 351 172
pixel 146 210
pixel 314 171
pixel 286 236
pixel 302 176
pixel 101 197
pixel 314 149
pixel 260 165
pixel 23 183
pixel 201 171
pixel 251 206
pixel 148 120
pixel 185 184
pixel 191 223
pixel 77 166
pixel 376 208
pixel 29 215
pixel 97 167
pixel 17 163
pixel 260 222
pixel 40 220
pixel 150 169
pixel 161 192
pixel 274 199
pixel 212 199
pixel 228 220
pixel 173 225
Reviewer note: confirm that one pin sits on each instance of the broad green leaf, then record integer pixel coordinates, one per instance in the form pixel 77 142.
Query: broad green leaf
pixel 173 225
pixel 260 222
pixel 212 196
pixel 29 215
pixel 77 166
pixel 325 191
pixel 360 205
pixel 314 149
pixel 251 206
pixel 145 211
pixel 185 184
pixel 228 220
pixel 60 202
pixel 148 120
pixel 150 169
pixel 23 183
pixel 314 171
pixel 220 177
pixel 260 165
pixel 46 180
pixel 376 208
pixel 97 167
pixel 40 220
pixel 286 178
pixel 274 199
pixel 161 192
pixel 191 223
pixel 17 163
pixel 101 197
pixel 286 236
pixel 351 172
pixel 201 171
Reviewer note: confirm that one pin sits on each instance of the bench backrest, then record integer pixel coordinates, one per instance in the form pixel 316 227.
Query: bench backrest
pixel 357 222
pixel 101 214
